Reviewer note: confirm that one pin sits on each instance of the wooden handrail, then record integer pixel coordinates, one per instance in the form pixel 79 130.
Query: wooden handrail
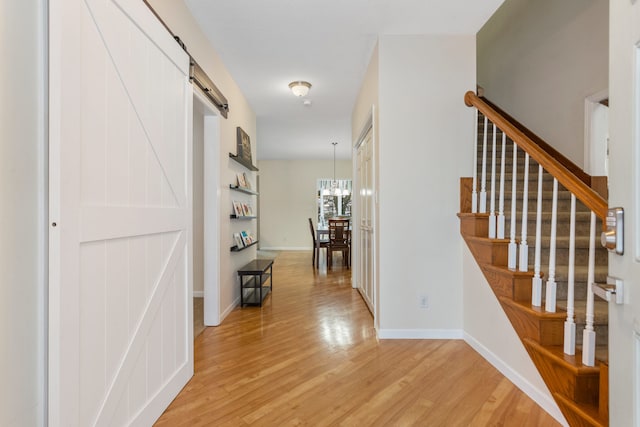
pixel 567 178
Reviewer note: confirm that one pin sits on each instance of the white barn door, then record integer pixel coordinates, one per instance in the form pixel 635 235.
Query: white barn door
pixel 120 316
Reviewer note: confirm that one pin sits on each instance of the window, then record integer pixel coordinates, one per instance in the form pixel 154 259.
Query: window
pixel 333 199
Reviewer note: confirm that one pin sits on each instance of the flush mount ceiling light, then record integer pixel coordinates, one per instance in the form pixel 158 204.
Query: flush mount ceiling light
pixel 300 88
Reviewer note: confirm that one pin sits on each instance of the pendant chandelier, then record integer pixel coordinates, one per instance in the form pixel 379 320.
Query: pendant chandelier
pixel 335 189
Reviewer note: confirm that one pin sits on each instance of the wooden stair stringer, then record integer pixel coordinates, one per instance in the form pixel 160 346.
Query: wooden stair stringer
pixel 535 323
pixel 578 415
pixel 489 251
pixel 565 374
pixel 575 387
pixel 474 224
pixel 504 282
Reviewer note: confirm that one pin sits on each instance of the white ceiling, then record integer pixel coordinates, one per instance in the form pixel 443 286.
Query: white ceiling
pixel 266 44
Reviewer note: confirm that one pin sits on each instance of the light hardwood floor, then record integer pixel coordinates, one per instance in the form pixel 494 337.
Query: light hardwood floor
pixel 310 357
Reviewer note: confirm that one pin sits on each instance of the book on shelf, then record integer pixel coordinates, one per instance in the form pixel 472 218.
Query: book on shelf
pixel 247 239
pixel 238 208
pixel 238 239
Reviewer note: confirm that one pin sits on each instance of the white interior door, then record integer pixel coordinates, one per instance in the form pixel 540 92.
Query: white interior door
pixel 365 220
pixel 624 191
pixel 120 301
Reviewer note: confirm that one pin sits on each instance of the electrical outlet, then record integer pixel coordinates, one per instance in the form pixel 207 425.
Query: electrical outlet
pixel 423 301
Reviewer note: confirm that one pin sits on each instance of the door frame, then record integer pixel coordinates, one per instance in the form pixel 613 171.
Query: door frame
pixel 211 207
pixel 591 160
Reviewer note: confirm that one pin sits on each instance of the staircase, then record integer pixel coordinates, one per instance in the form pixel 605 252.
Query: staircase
pixel 581 391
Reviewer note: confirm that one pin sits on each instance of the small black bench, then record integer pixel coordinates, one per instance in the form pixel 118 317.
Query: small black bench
pixel 253 281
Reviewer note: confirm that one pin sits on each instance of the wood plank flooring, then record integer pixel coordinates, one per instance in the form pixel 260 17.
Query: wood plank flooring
pixel 310 357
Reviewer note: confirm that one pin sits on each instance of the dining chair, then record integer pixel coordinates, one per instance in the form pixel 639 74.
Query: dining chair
pixel 339 241
pixel 317 245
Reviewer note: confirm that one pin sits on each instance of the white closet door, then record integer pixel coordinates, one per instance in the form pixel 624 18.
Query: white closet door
pixel 365 221
pixel 120 328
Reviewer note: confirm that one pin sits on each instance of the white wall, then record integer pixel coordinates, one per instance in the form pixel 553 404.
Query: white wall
pixel 367 98
pixel 288 198
pixel 176 15
pixel 424 137
pixel 22 213
pixel 488 330
pixel 539 60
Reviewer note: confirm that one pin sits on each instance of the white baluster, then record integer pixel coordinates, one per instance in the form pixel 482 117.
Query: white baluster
pixel 474 191
pixel 492 211
pixel 569 324
pixel 501 202
pixel 589 335
pixel 483 182
pixel 524 248
pixel 513 247
pixel 536 293
pixel 550 300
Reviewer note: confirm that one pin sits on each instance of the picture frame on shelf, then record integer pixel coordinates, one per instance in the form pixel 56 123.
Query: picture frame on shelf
pixel 242 180
pixel 243 145
pixel 238 240
pixel 246 181
pixel 247 209
pixel 238 208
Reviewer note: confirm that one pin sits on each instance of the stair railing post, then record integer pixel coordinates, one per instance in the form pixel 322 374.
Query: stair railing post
pixel 492 210
pixel 536 288
pixel 513 247
pixel 589 334
pixel 500 232
pixel 483 181
pixel 569 324
pixel 550 298
pixel 474 191
pixel 524 248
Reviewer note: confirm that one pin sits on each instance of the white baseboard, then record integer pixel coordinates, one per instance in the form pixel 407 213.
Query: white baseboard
pixel 198 294
pixel 541 397
pixel 229 309
pixel 420 334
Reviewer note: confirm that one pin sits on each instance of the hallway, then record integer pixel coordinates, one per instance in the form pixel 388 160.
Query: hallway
pixel 310 356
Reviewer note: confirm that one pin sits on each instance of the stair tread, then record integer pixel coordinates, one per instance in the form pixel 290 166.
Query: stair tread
pixel 487 240
pixel 574 363
pixel 586 411
pixel 600 309
pixel 505 270
pixel 472 214
pixel 531 309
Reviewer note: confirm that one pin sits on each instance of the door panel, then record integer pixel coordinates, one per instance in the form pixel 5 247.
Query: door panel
pixel 120 277
pixel 624 190
pixel 365 220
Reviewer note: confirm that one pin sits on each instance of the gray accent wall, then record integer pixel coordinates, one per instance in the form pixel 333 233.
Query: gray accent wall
pixel 539 60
